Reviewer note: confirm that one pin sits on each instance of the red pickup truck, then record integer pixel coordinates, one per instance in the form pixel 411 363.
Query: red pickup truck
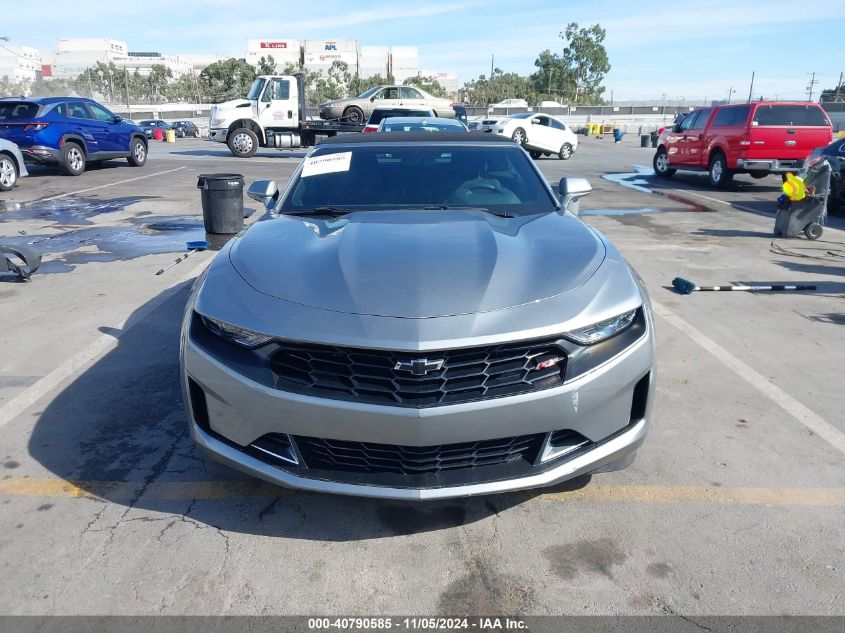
pixel 759 139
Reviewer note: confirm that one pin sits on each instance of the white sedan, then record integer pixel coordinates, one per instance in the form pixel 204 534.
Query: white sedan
pixel 540 134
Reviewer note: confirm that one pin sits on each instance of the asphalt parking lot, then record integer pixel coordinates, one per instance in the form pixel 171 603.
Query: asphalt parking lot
pixel 735 504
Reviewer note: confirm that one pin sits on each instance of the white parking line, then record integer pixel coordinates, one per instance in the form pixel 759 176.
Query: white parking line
pixel 97 349
pixel 810 419
pixel 111 184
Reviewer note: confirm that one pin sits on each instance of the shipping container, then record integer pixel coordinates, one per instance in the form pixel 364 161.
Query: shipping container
pixel 331 46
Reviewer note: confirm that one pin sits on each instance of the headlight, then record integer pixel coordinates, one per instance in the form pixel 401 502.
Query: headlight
pixel 219 121
pixel 603 330
pixel 235 334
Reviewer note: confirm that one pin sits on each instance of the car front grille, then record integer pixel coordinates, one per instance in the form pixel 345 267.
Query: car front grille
pixel 397 378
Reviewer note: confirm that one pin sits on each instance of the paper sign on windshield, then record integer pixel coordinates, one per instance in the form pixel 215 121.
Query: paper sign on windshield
pixel 326 164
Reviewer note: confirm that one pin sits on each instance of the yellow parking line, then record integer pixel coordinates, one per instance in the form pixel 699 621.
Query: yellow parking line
pixel 594 493
pixel 816 497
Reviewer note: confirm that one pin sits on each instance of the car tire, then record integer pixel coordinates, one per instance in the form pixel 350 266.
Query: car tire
pixel 73 159
pixel 535 155
pixel 243 142
pixel 353 115
pixel 8 173
pixel 137 153
pixel 660 163
pixel 718 173
pixel 813 231
pixel 565 152
pixel 519 136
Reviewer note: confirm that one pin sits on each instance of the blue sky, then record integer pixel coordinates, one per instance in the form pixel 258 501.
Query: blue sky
pixel 681 49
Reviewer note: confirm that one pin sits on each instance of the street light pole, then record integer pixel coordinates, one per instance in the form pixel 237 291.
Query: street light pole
pixel 751 89
pixel 126 82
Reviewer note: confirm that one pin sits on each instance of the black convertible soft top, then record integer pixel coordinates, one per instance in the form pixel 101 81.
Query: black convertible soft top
pixel 354 138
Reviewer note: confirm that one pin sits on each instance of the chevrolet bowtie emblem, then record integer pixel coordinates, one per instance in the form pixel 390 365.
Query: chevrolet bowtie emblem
pixel 419 366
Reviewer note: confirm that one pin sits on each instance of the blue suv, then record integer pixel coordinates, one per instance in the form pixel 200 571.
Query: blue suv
pixel 70 132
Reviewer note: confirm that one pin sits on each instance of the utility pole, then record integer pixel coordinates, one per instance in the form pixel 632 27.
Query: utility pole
pixel 90 88
pixel 492 58
pixel 751 89
pixel 126 82
pixel 811 87
pixel 838 86
pixel 730 92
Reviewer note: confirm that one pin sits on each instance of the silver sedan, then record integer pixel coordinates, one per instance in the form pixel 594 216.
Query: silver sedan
pixel 12 165
pixel 356 110
pixel 419 316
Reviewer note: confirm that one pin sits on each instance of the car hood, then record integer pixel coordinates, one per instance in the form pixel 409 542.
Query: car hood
pixel 229 106
pixel 417 264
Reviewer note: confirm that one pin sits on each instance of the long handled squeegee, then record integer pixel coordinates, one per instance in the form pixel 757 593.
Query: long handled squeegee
pixel 685 286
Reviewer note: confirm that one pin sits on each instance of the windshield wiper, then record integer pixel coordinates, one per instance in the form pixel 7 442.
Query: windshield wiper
pixel 443 207
pixel 319 211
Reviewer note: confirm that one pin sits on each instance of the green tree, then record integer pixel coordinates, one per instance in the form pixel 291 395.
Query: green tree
pixel 836 95
pixel 585 61
pixel 227 79
pixel 429 84
pixel 266 66
pixel 552 79
pixel 483 91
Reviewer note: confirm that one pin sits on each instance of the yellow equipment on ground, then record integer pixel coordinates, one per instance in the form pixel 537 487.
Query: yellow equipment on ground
pixel 170 136
pixel 794 187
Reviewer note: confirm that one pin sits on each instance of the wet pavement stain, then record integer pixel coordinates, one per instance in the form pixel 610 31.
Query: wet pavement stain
pixel 113 243
pixel 596 557
pixel 65 211
pixel 483 591
pixel 637 180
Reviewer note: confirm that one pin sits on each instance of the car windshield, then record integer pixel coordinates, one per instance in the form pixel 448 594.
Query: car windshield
pixel 497 178
pixel 255 90
pixel 147 123
pixel 369 93
pixel 398 125
pixel 522 115
pixel 17 110
pixel 379 114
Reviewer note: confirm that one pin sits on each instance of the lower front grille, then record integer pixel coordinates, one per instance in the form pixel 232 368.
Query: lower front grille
pixel 366 457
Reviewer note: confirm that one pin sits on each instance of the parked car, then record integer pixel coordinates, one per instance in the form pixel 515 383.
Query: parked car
pixel 452 329
pixel 758 138
pixel 835 155
pixel 550 104
pixel 540 134
pixel 510 103
pixel 357 109
pixel 474 125
pixel 421 124
pixel 382 113
pixel 150 125
pixel 12 165
pixel 69 132
pixel 185 129
pixel 488 124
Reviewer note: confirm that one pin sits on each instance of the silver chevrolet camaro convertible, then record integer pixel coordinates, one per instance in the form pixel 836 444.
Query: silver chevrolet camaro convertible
pixel 419 316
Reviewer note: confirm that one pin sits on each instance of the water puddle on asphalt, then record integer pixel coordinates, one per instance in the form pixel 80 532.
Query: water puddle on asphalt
pixel 112 243
pixel 637 181
pixel 65 211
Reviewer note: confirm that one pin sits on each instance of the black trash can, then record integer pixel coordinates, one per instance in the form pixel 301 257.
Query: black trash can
pixel 645 139
pixel 586 130
pixel 222 202
pixel 654 137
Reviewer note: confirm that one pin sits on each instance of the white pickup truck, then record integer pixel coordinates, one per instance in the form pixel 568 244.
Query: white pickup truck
pixel 272 115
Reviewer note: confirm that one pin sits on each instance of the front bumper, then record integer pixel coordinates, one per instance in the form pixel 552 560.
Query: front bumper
pixel 772 165
pixel 218 134
pixel 599 405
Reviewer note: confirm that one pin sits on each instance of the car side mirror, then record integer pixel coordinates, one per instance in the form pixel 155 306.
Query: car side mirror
pixel 571 191
pixel 676 128
pixel 116 119
pixel 264 191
